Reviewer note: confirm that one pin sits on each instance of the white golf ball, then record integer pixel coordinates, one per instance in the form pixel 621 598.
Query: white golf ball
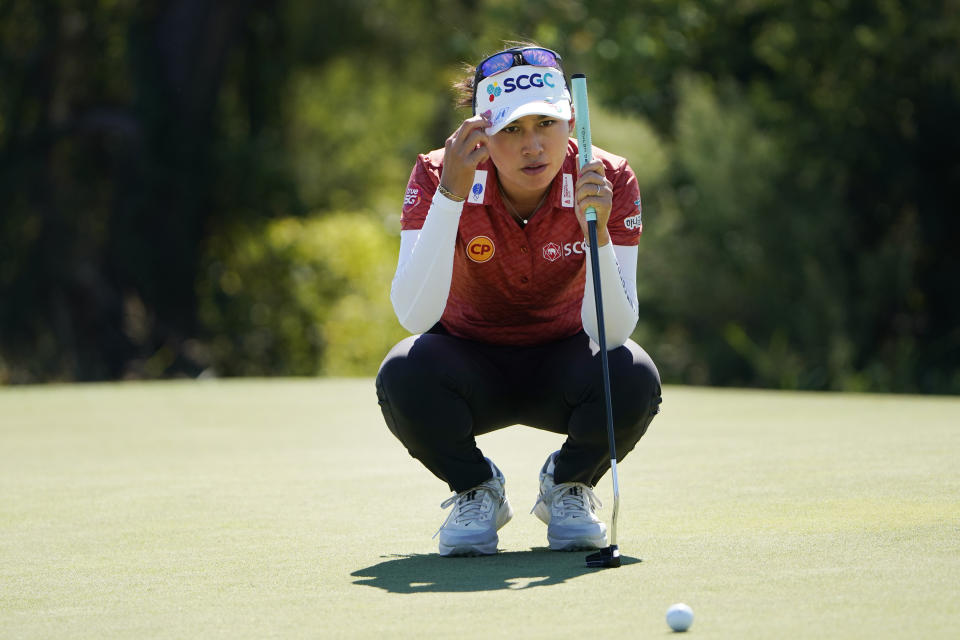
pixel 679 617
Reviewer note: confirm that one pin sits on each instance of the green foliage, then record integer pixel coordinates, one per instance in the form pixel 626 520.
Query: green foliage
pixel 799 165
pixel 300 297
pixel 635 139
pixel 803 230
pixel 339 128
pixel 710 240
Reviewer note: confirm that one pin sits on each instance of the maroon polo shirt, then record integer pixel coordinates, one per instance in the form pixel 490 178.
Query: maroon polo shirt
pixel 518 285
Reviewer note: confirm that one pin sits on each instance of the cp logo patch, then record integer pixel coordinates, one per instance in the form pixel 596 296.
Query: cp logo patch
pixel 480 249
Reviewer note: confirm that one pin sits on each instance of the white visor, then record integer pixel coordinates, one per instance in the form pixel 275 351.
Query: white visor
pixel 522 91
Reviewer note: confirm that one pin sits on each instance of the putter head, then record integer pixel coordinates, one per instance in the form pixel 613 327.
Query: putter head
pixel 609 557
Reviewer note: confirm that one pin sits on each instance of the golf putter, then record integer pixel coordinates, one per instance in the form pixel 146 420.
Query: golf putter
pixel 609 557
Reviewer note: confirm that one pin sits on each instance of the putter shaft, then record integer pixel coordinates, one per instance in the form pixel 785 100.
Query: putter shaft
pixel 609 557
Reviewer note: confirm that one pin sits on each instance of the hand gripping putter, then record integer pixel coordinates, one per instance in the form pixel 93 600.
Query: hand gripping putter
pixel 609 557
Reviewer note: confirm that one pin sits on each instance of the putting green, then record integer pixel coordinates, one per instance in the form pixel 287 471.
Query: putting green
pixel 255 508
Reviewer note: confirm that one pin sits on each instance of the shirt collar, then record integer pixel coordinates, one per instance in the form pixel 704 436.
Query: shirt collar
pixel 554 198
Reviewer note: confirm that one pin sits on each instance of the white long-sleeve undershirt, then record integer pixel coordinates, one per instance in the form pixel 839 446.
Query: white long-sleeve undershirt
pixel 421 284
pixel 618 286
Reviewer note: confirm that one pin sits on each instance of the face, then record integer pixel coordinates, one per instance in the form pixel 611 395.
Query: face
pixel 528 154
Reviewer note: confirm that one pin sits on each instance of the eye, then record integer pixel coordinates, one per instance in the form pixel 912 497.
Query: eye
pixel 548 122
pixel 510 128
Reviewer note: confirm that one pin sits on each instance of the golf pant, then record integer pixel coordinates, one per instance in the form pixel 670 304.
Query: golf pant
pixel 438 393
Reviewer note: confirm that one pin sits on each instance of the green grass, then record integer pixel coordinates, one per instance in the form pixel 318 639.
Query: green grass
pixel 286 509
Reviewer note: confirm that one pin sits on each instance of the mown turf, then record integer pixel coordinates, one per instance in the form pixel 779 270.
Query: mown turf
pixel 286 509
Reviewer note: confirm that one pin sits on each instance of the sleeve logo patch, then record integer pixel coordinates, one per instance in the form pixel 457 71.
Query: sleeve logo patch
pixel 411 198
pixel 635 222
pixel 480 249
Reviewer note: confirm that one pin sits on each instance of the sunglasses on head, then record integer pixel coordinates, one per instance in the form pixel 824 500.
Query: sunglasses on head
pixel 500 62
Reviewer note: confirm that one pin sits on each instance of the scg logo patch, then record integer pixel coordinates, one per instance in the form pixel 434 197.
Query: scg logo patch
pixel 574 247
pixel 526 81
pixel 480 249
pixel 553 251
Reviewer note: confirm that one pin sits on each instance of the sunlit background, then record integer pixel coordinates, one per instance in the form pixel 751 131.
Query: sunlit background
pixel 202 188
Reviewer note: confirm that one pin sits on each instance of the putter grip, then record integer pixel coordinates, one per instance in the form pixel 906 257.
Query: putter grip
pixel 578 84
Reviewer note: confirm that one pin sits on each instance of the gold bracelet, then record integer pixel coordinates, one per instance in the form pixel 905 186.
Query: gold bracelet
pixel 446 192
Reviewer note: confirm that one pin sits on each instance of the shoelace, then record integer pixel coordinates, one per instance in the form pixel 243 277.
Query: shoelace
pixel 471 505
pixel 575 498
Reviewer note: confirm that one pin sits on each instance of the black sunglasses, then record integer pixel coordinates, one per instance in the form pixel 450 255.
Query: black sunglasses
pixel 500 62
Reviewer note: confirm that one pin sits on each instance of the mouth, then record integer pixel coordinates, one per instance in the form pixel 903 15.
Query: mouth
pixel 534 169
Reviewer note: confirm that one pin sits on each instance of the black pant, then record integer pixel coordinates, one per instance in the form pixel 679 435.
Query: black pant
pixel 438 392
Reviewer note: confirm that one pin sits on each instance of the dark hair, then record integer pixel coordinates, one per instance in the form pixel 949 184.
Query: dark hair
pixel 463 87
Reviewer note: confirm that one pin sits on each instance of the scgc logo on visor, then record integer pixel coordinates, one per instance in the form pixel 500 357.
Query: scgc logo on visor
pixel 525 81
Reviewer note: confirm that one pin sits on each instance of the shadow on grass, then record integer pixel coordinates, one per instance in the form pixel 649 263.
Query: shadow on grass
pixel 431 573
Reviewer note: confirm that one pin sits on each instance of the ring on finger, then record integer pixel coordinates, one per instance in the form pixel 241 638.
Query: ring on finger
pixel 599 190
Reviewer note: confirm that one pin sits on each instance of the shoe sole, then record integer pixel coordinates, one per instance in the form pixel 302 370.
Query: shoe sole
pixel 469 550
pixel 576 544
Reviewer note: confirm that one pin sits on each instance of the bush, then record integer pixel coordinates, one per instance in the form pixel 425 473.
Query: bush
pixel 300 297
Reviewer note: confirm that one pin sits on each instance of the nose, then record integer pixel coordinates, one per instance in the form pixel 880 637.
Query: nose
pixel 532 144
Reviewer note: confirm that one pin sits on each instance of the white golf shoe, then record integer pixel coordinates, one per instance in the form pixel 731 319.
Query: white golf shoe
pixel 569 510
pixel 471 528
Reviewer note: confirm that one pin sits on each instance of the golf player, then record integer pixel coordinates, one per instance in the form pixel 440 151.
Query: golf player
pixel 494 278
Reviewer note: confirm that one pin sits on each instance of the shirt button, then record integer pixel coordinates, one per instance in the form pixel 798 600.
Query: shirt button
pixel 524 279
pixel 523 249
